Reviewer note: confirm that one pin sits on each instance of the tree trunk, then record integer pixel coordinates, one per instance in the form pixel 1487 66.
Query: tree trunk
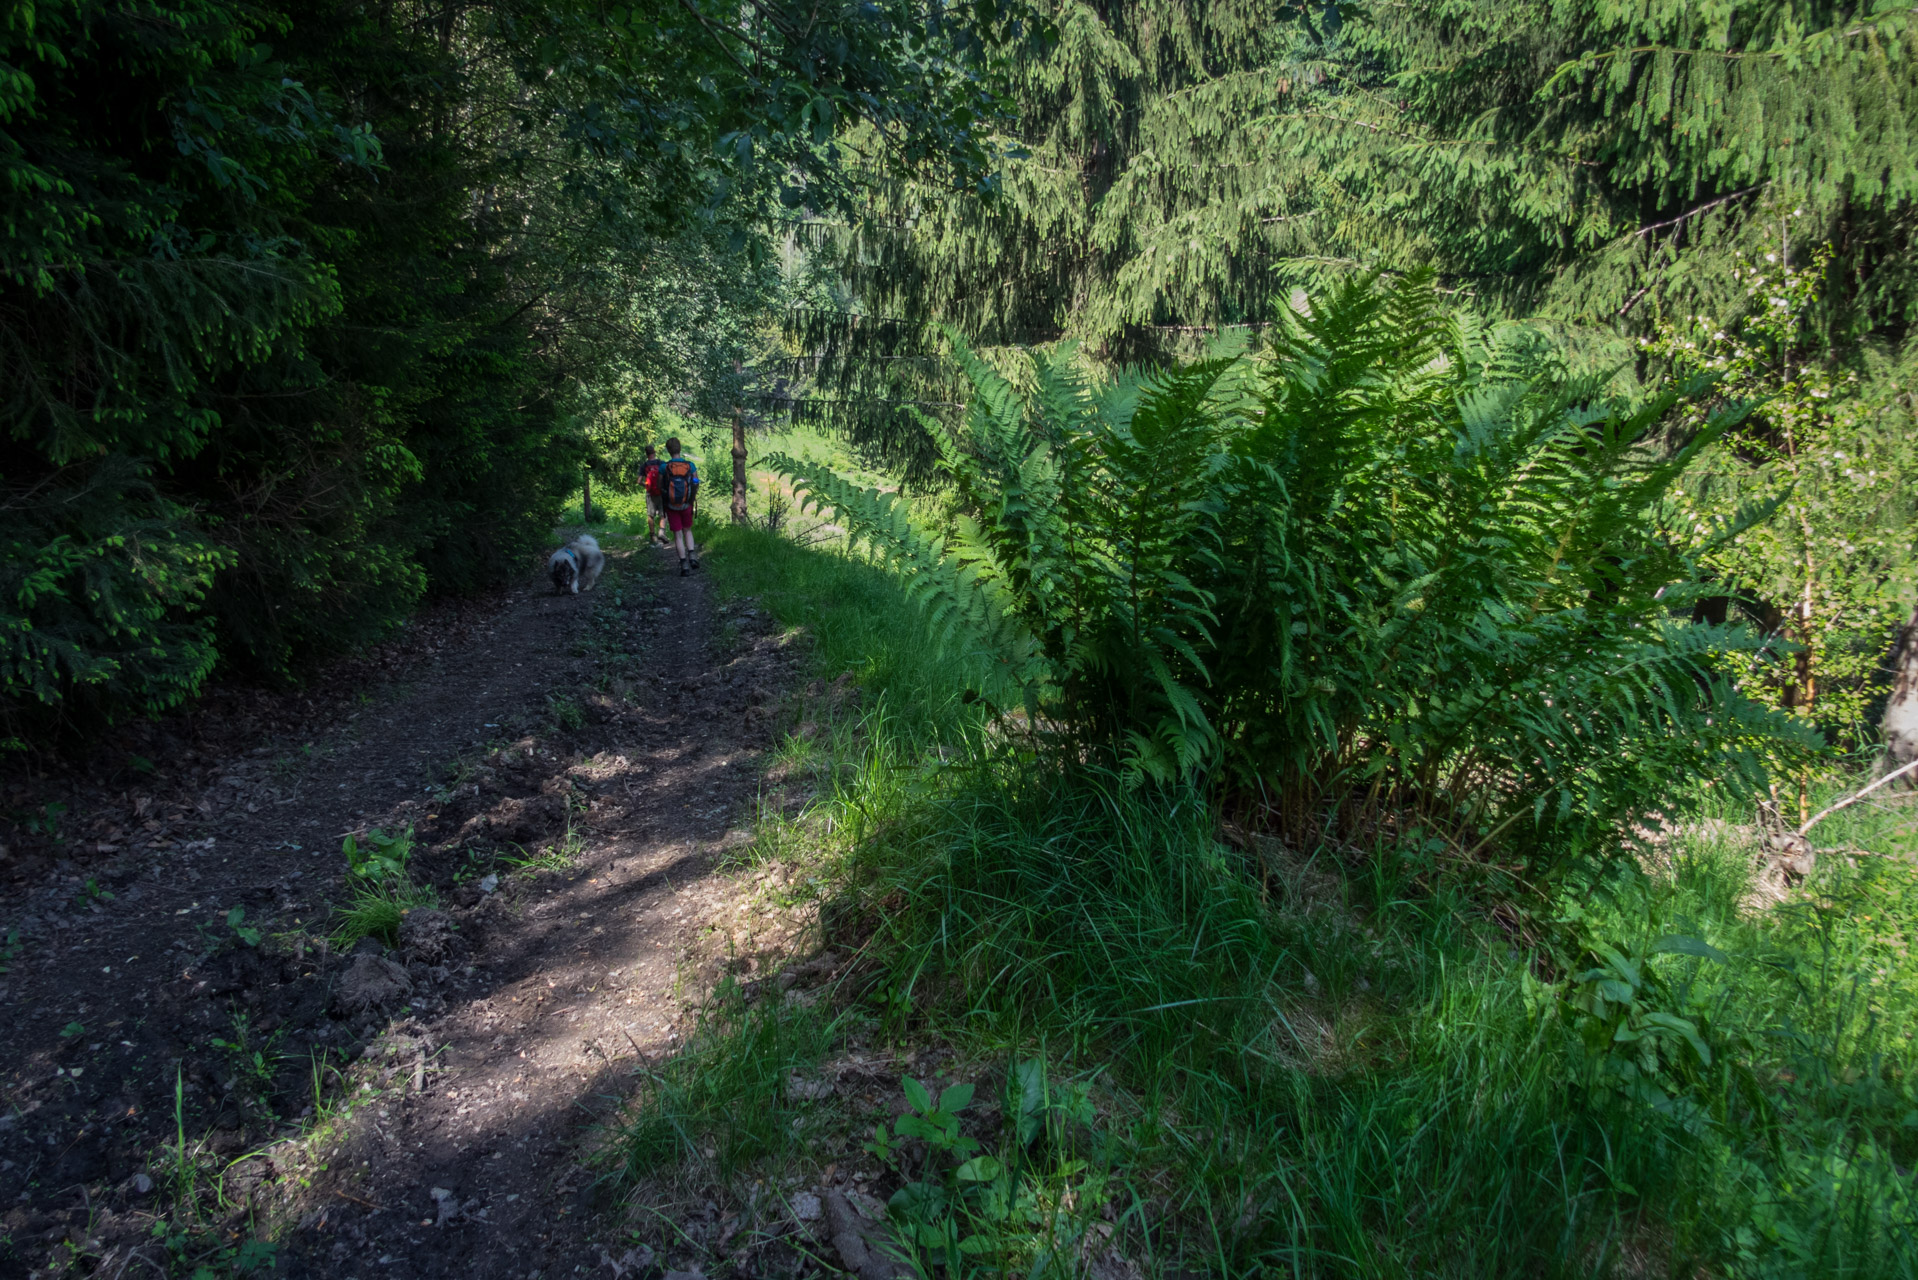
pixel 739 458
pixel 1900 725
pixel 1807 674
pixel 586 501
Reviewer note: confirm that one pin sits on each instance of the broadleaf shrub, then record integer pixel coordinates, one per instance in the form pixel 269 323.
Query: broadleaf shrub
pixel 100 585
pixel 1397 571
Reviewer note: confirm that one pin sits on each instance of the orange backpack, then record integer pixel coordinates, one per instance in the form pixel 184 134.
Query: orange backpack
pixel 676 484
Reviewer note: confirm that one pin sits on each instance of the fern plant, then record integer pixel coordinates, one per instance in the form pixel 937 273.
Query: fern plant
pixel 1397 571
pixel 1084 511
pixel 1457 595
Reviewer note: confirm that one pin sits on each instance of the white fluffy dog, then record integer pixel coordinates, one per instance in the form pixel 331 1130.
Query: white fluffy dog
pixel 577 564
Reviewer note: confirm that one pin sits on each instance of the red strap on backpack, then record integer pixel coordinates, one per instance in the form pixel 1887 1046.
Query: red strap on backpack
pixel 676 484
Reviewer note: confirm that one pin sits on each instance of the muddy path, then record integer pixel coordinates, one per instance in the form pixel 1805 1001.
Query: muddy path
pixel 577 772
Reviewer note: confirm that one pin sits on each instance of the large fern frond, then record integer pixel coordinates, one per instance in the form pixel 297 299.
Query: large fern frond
pixel 964 597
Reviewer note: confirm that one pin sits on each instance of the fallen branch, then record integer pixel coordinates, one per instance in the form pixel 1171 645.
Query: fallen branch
pixel 1819 817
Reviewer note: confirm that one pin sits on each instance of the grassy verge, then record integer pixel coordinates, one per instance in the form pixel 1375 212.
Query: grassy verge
pixel 1270 1063
pixel 859 624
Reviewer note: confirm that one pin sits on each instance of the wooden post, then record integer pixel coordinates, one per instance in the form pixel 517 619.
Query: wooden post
pixel 739 455
pixel 1900 725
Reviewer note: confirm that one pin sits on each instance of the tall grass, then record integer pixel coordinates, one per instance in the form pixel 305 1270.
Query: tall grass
pixel 721 1101
pixel 1376 1083
pixel 1320 1089
pixel 858 622
pixel 1322 1071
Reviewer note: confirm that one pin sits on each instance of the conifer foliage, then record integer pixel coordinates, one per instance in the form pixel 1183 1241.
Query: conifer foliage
pixel 145 260
pixel 1604 162
pixel 301 303
pixel 1185 165
pixel 1400 568
pixel 1131 211
pixel 1613 167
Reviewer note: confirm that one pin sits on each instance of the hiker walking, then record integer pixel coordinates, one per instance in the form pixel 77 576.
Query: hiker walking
pixel 678 486
pixel 655 513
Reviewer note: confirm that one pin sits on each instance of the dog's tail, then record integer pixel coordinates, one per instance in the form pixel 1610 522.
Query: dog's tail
pixel 588 541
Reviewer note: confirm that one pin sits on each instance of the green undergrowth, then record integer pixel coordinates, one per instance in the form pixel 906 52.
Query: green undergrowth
pixel 380 887
pixel 1304 1064
pixel 615 515
pixel 722 1098
pixel 858 622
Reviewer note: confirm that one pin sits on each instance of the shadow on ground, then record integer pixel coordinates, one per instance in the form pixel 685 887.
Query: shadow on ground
pixel 420 1110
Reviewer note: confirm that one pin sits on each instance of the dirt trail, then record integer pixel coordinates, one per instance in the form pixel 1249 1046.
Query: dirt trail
pixel 487 1046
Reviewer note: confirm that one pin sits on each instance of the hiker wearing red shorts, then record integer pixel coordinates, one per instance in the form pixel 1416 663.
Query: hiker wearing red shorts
pixel 678 487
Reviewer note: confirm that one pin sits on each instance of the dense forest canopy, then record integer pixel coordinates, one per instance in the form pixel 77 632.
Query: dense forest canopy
pixel 1602 164
pixel 301 305
pixel 311 309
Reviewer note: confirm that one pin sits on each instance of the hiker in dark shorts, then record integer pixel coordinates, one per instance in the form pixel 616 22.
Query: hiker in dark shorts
pixel 678 486
pixel 655 514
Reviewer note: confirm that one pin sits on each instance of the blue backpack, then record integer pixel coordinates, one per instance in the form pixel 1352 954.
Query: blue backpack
pixel 676 484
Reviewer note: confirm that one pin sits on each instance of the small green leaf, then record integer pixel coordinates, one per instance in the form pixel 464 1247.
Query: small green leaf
pixel 978 1169
pixel 1685 945
pixel 956 1097
pixel 1686 1028
pixel 1620 965
pixel 918 1200
pixel 256 1255
pixel 917 1127
pixel 916 1094
pixel 71 1030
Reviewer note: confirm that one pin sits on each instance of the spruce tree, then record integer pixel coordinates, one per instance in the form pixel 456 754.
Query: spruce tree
pixel 1605 163
pixel 1127 216
pixel 1180 166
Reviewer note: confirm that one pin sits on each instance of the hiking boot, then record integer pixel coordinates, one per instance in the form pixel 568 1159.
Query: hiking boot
pixel 695 562
pixel 682 569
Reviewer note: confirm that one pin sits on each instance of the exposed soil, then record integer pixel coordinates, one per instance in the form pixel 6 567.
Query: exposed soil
pixel 614 740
